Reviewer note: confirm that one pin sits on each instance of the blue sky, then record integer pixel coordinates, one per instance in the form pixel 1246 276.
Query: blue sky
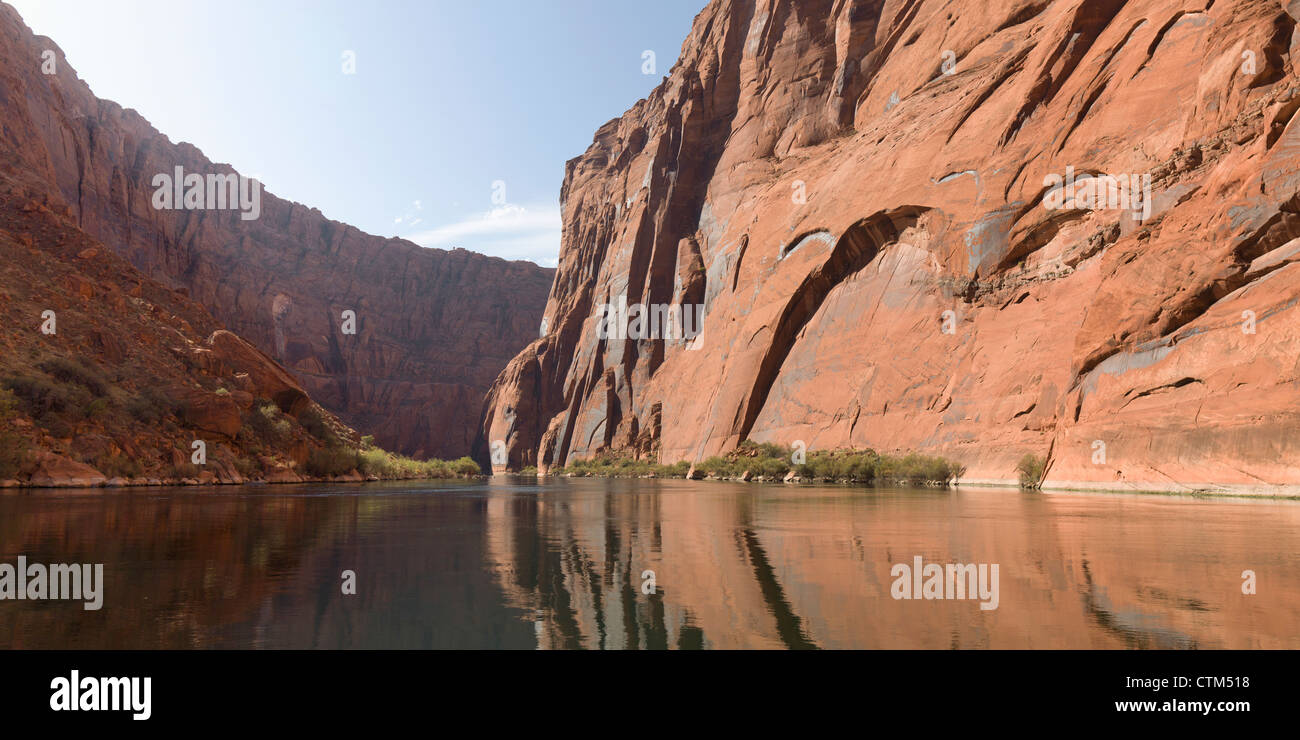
pixel 447 99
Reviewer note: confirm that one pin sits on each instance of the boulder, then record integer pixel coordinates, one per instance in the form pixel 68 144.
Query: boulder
pixel 266 378
pixel 56 471
pixel 209 412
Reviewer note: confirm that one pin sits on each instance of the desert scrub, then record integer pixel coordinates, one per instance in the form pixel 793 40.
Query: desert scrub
pixel 853 466
pixel 71 371
pixel 268 424
pixel 616 466
pixel 330 461
pixel 97 408
pixel 1030 469
pixel 44 397
pixel 182 471
pixel 149 405
pixel 117 466
pixel 391 466
pixel 918 470
pixel 772 461
pixel 318 425
pixel 13 446
pixel 248 468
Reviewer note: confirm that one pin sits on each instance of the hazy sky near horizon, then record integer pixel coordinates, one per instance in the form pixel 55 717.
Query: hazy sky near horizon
pixel 448 98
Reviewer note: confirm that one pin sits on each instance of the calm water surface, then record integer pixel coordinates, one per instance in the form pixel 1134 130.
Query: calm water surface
pixel 514 564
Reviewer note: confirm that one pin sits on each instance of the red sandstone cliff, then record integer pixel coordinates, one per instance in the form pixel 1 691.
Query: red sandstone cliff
pixel 107 377
pixel 1152 354
pixel 434 328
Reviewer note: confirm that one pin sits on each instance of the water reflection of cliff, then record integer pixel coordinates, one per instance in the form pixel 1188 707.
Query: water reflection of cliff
pixel 769 567
pixel 260 568
pixel 514 565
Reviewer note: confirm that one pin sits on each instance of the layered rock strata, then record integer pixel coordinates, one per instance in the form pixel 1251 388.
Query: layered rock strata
pixel 878 203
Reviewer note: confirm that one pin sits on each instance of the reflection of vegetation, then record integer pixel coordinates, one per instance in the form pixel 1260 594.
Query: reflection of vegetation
pixel 1030 468
pixel 768 461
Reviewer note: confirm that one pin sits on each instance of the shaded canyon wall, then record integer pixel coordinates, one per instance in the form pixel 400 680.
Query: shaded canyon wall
pixel 434 327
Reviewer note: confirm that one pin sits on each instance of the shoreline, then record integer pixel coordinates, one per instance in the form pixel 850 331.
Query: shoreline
pixel 13 485
pixel 1216 491
pixel 1209 491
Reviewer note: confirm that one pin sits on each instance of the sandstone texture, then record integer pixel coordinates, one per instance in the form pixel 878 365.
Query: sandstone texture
pixel 433 327
pixel 109 378
pixel 858 192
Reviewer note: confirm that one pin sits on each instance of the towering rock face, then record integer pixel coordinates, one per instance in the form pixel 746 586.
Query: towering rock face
pixel 433 328
pixel 884 207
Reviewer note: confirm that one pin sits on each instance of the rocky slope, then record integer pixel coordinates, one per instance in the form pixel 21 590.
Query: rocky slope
pixel 433 328
pixel 858 192
pixel 107 377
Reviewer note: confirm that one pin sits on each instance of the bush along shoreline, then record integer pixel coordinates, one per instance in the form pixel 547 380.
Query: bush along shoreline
pixel 64 424
pixel 768 462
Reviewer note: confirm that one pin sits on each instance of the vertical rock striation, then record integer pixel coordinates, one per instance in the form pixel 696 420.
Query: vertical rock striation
pixel 858 192
pixel 434 328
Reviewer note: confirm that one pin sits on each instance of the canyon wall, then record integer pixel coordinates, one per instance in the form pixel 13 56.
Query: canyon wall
pixel 861 195
pixel 433 327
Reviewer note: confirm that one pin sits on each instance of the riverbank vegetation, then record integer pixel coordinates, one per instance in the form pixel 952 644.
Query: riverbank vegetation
pixel 338 459
pixel 1030 469
pixel 772 462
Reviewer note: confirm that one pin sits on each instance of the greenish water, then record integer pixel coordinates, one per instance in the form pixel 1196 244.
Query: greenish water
pixel 568 564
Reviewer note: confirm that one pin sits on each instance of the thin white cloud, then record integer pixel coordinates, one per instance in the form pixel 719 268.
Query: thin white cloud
pixel 511 232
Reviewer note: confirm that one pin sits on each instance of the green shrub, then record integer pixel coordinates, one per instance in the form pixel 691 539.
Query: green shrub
pixel 863 466
pixel 248 468
pixel 773 467
pixel 916 469
pixel 314 421
pixel 118 466
pixel 331 461
pixel 1030 468
pixel 70 371
pixel 268 424
pixel 774 461
pixel 718 467
pixel 383 464
pixel 97 408
pixel 677 469
pixel 182 471
pixel 149 405
pixel 377 463
pixel 608 465
pixel 43 397
pixel 466 466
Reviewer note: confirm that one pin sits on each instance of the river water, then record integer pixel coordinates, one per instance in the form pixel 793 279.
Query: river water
pixel 511 563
